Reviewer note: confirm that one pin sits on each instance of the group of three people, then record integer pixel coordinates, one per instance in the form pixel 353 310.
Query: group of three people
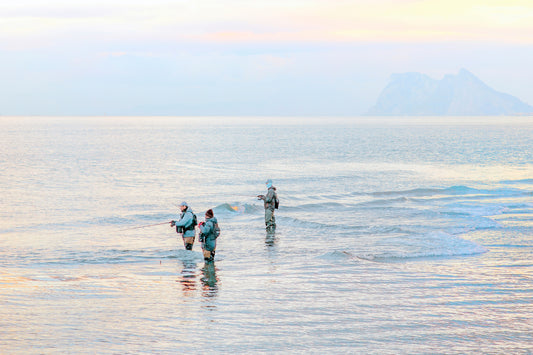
pixel 209 230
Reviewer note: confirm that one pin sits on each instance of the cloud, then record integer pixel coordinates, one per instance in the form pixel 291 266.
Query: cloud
pixel 248 57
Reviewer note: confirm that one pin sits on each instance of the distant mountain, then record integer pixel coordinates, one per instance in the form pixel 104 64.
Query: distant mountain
pixel 416 94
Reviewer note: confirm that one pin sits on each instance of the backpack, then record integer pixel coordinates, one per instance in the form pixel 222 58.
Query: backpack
pixel 193 224
pixel 217 230
pixel 276 201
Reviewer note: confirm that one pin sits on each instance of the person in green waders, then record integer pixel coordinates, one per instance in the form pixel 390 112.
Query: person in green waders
pixel 271 203
pixel 209 232
pixel 186 225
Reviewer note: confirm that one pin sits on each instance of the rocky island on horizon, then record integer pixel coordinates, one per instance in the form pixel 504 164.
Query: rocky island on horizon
pixel 416 94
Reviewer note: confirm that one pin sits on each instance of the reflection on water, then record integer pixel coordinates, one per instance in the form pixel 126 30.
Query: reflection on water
pixel 209 281
pixel 188 278
pixel 272 252
pixel 271 239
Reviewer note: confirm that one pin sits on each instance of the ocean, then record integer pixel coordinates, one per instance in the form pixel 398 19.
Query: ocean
pixel 394 235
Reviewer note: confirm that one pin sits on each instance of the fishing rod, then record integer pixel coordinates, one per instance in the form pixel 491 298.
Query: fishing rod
pixel 235 195
pixel 146 226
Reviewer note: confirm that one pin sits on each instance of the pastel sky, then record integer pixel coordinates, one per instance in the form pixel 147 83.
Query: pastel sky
pixel 249 57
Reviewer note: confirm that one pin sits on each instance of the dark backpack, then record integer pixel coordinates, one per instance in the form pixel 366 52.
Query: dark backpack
pixel 276 201
pixel 190 227
pixel 193 224
pixel 217 230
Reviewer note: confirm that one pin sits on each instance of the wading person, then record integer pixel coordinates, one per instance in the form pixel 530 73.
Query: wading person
pixel 209 232
pixel 186 225
pixel 271 203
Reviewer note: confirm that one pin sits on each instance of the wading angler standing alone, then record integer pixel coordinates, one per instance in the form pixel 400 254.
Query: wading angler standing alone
pixel 271 202
pixel 186 225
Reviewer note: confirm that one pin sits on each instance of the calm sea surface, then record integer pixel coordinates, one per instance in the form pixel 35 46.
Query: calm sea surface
pixel 394 236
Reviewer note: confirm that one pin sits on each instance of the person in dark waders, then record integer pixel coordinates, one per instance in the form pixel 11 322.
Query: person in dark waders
pixel 186 225
pixel 209 232
pixel 271 203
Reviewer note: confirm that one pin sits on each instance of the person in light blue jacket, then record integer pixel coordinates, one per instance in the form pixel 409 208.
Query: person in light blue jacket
pixel 209 232
pixel 186 225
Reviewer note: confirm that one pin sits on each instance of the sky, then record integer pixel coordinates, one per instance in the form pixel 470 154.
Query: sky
pixel 249 57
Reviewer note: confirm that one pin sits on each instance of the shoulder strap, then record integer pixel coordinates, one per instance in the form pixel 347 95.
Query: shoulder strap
pixel 217 230
pixel 193 223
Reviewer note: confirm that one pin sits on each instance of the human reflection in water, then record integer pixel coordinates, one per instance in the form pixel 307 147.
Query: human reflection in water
pixel 271 239
pixel 188 278
pixel 209 281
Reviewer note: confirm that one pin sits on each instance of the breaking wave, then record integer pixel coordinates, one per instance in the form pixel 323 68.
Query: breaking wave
pixel 227 208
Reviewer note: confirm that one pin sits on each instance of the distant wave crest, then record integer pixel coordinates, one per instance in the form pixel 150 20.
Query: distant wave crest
pixel 451 191
pixel 227 208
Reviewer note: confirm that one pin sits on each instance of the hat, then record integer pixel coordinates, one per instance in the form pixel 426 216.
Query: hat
pixel 209 213
pixel 184 204
pixel 269 182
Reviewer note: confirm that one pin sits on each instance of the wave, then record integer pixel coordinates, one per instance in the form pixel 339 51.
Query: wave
pixel 413 197
pixel 473 210
pixel 382 202
pixel 316 206
pixel 419 192
pixel 522 181
pixel 130 219
pixel 449 191
pixel 135 220
pixel 115 256
pixel 412 192
pixel 300 223
pixel 433 245
pixel 236 208
pixel 406 248
pixel 338 256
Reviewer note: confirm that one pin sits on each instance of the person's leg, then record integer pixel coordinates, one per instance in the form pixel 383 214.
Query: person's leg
pixel 270 220
pixel 207 254
pixel 188 242
pixel 209 249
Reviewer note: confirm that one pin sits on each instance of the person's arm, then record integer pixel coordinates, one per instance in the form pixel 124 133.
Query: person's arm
pixel 270 196
pixel 208 227
pixel 201 228
pixel 185 220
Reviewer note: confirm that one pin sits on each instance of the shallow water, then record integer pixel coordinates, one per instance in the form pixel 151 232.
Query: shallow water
pixel 394 235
